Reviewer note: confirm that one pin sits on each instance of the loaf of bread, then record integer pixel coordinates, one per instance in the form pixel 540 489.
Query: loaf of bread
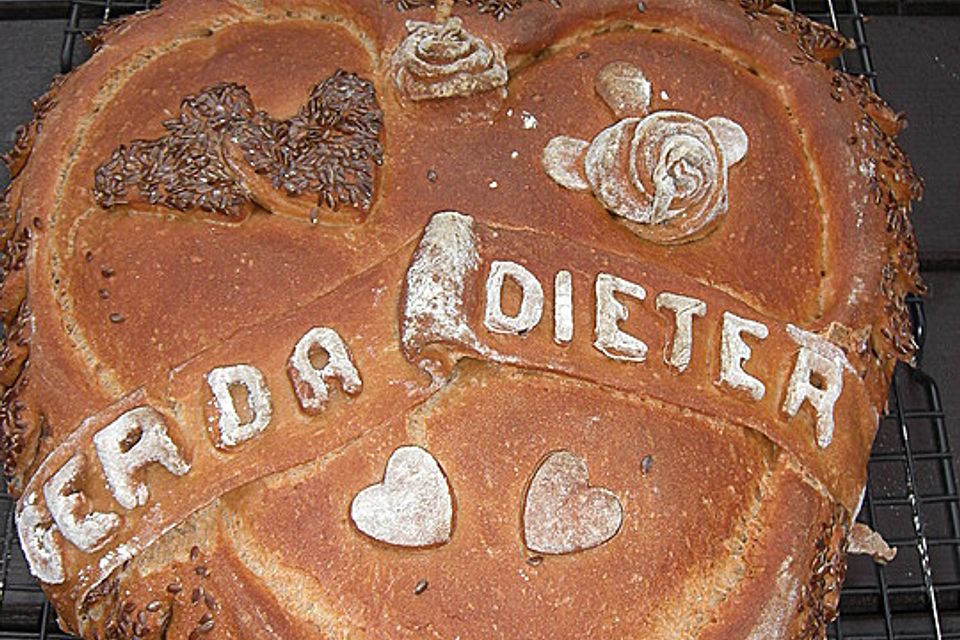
pixel 451 319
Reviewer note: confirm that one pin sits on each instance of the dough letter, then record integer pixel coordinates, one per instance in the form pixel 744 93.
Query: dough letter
pixel 231 427
pixel 684 309
pixel 309 382
pixel 65 502
pixel 563 307
pixel 531 302
pixel 129 443
pixel 39 546
pixel 825 361
pixel 610 340
pixel 734 353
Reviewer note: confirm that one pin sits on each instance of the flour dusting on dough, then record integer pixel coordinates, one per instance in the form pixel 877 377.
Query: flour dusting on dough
pixel 445 260
pixel 563 514
pixel 412 507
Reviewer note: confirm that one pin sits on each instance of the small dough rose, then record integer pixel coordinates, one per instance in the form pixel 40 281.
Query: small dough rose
pixel 445 61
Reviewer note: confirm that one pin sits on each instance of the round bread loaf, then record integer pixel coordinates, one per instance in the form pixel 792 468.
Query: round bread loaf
pixel 479 319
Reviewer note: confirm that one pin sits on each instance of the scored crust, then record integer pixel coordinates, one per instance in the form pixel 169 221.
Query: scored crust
pixel 731 510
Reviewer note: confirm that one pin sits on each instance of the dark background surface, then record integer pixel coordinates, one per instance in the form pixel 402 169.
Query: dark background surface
pixel 918 63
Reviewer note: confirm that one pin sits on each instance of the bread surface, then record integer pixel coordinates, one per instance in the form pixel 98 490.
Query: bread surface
pixel 489 319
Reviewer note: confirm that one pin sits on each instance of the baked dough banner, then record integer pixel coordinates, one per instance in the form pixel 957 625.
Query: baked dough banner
pixel 535 301
pixel 521 298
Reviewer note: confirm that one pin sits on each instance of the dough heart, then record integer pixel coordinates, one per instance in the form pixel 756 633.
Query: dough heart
pixel 563 514
pixel 412 507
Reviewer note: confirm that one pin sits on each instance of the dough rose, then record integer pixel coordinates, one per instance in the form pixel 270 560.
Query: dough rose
pixel 445 61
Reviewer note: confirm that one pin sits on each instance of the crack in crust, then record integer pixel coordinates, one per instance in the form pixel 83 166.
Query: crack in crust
pixel 816 42
pixel 13 255
pixel 108 30
pixel 893 185
pixel 330 149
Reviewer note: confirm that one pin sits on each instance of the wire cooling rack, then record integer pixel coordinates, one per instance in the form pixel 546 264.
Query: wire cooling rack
pixel 912 491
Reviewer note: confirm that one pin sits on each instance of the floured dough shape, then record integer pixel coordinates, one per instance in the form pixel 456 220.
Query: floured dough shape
pixel 563 513
pixel 412 507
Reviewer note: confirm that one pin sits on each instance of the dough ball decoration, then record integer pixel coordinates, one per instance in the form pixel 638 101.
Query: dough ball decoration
pixel 665 173
pixel 207 161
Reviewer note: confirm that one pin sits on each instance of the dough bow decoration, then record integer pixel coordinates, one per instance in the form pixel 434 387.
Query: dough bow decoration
pixel 664 173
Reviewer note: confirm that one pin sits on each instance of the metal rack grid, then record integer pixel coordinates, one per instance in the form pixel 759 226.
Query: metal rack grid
pixel 912 496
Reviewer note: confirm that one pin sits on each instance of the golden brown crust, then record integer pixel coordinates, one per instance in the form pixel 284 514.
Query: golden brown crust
pixel 135 304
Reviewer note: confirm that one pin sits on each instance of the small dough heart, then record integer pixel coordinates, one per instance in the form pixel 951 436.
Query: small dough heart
pixel 412 507
pixel 563 514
